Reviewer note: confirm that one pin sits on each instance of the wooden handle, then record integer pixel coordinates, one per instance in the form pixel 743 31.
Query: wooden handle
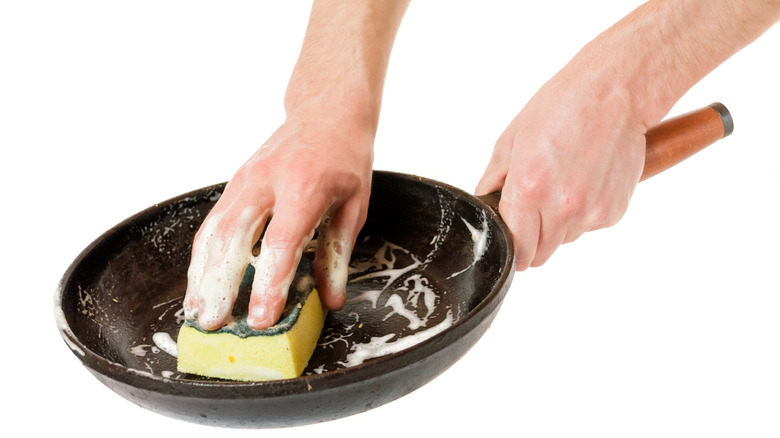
pixel 676 139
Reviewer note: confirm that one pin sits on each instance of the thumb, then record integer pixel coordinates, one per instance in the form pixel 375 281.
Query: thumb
pixel 495 174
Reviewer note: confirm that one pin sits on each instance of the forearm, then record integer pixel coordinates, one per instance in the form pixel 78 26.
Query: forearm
pixel 664 47
pixel 344 58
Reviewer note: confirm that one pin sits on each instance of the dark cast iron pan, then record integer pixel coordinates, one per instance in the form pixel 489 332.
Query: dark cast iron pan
pixel 452 264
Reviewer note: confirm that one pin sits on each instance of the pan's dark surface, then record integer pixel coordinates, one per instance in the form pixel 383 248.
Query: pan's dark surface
pixel 428 274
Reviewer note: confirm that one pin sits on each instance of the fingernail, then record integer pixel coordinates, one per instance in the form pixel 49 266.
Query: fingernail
pixel 256 316
pixel 209 318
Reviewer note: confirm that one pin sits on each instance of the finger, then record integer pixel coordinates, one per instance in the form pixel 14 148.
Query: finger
pixel 290 229
pixel 551 236
pixel 561 219
pixel 495 174
pixel 198 259
pixel 572 235
pixel 334 248
pixel 203 241
pixel 229 252
pixel 524 222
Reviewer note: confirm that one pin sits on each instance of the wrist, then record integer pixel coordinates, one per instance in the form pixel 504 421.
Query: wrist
pixel 344 104
pixel 632 62
pixel 661 49
pixel 341 69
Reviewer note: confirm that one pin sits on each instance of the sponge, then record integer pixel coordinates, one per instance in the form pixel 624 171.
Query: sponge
pixel 237 352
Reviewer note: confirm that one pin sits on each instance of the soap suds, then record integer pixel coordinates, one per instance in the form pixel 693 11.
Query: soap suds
pixel 388 291
pixel 480 238
pixel 217 266
pixel 165 342
pixel 382 346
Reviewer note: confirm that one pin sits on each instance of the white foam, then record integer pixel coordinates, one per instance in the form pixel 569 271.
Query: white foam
pixel 382 346
pixel 165 342
pixel 414 300
pixel 217 267
pixel 479 237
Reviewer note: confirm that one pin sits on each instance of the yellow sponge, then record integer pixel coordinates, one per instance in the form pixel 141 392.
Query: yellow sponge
pixel 238 353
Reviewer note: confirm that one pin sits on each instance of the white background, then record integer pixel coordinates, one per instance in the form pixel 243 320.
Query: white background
pixel 664 325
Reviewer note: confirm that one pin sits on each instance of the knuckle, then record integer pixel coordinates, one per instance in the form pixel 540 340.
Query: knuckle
pixel 226 223
pixel 596 215
pixel 615 214
pixel 259 162
pixel 504 143
pixel 281 239
pixel 516 198
pixel 569 207
pixel 527 189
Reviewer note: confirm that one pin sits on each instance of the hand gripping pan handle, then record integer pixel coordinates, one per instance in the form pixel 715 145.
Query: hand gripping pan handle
pixel 672 141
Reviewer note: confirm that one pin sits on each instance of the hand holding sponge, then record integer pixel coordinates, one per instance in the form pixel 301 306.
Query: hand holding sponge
pixel 237 352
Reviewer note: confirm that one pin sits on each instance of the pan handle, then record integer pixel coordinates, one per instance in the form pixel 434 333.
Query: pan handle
pixel 671 141
pixel 678 138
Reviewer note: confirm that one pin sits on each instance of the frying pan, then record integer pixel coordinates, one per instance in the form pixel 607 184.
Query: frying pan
pixel 429 272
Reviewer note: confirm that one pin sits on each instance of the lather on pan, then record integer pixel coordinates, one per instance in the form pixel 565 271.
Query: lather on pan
pixel 429 272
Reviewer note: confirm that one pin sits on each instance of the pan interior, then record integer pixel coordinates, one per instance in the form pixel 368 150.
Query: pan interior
pixel 426 257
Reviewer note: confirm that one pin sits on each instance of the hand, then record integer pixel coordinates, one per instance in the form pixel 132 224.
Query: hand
pixel 312 172
pixel 568 163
